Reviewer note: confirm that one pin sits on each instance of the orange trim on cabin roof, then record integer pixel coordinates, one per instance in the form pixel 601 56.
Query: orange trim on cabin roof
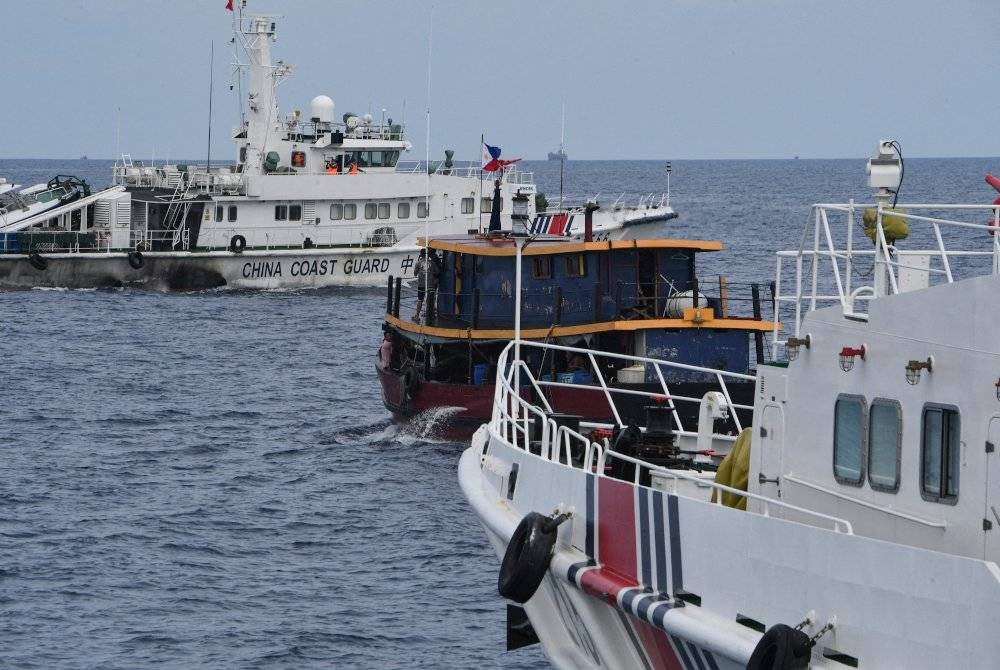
pixel 584 329
pixel 505 246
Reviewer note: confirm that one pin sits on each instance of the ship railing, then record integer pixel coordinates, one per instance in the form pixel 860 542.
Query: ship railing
pixel 308 131
pixel 468 170
pixel 161 239
pixel 53 241
pixel 837 263
pixel 191 180
pixel 305 236
pixel 515 418
pixel 600 362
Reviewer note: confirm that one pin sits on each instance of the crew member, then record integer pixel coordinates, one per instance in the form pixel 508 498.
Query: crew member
pixel 427 279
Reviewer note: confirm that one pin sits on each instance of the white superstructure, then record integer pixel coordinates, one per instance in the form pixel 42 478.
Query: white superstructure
pixel 865 529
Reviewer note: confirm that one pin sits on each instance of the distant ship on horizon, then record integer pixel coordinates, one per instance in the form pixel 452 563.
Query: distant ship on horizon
pixel 558 155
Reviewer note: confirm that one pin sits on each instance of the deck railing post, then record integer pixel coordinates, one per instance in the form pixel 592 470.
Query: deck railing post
pixel 694 292
pixel 475 309
pixel 388 298
pixel 395 300
pixel 758 336
pixel 431 306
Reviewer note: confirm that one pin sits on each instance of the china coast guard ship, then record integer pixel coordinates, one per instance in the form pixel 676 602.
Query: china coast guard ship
pixel 311 201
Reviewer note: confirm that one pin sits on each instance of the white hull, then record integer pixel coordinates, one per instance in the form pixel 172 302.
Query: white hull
pixel 284 269
pixel 606 615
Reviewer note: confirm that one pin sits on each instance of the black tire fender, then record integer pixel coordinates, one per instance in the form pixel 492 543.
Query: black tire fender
pixel 527 557
pixel 237 244
pixel 781 648
pixel 38 261
pixel 135 260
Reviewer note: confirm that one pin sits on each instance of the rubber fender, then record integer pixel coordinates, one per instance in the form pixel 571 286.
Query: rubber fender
pixel 237 244
pixel 38 261
pixel 136 260
pixel 781 648
pixel 527 558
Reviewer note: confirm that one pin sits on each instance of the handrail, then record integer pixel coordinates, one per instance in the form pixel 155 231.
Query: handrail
pixel 864 503
pixel 881 265
pixel 512 413
pixel 682 475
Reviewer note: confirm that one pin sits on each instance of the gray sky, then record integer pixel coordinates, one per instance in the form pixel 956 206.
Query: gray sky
pixel 641 79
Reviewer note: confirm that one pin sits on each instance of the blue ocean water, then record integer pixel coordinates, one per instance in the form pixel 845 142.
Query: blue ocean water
pixel 210 479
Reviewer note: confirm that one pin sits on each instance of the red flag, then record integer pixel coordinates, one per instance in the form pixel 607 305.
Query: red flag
pixel 229 5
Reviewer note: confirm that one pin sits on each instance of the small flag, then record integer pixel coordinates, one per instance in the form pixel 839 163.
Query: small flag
pixel 229 5
pixel 492 161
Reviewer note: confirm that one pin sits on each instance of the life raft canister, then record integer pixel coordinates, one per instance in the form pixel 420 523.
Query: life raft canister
pixel 527 557
pixel 781 648
pixel 237 244
pixel 136 260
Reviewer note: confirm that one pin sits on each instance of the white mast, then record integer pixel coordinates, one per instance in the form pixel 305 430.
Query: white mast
pixel 262 104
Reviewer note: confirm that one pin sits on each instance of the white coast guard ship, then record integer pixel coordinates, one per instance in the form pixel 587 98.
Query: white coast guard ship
pixel 855 525
pixel 311 202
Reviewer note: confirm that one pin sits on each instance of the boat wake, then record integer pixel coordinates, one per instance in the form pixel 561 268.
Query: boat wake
pixel 431 424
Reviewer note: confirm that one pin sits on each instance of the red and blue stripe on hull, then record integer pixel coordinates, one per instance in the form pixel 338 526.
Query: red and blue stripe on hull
pixel 633 537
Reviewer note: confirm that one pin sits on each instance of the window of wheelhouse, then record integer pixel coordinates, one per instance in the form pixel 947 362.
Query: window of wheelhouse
pixel 280 212
pixel 541 267
pixel 383 210
pixel 218 213
pixel 295 213
pixel 940 444
pixel 422 210
pixel 468 205
pixel 576 266
pixel 403 210
pixel 371 210
pixel 849 439
pixel 885 425
pixel 350 211
pixel 336 212
pixel 231 214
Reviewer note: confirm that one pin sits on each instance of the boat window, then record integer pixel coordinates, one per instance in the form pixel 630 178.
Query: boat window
pixel 390 158
pixel 350 212
pixel 885 423
pixel 371 210
pixel 468 205
pixel 849 439
pixel 383 210
pixel 336 212
pixel 541 267
pixel 232 213
pixel 940 446
pixel 576 266
pixel 487 205
pixel 422 210
pixel 280 212
pixel 218 212
pixel 403 210
pixel 295 213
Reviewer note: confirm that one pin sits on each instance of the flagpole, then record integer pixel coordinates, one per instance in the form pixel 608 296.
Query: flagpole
pixel 482 141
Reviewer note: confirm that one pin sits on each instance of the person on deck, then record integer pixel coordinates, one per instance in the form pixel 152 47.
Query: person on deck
pixel 426 273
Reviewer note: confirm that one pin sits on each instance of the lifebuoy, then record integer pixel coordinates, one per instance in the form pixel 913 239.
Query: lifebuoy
pixel 237 244
pixel 37 261
pixel 781 648
pixel 136 260
pixel 527 557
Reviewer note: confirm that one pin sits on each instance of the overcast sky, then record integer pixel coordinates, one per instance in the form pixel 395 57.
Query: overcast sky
pixel 643 79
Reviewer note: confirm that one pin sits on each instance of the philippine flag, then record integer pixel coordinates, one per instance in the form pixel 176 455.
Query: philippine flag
pixel 492 161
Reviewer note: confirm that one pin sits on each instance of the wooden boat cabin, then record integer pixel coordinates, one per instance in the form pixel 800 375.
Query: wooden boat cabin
pixel 636 297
